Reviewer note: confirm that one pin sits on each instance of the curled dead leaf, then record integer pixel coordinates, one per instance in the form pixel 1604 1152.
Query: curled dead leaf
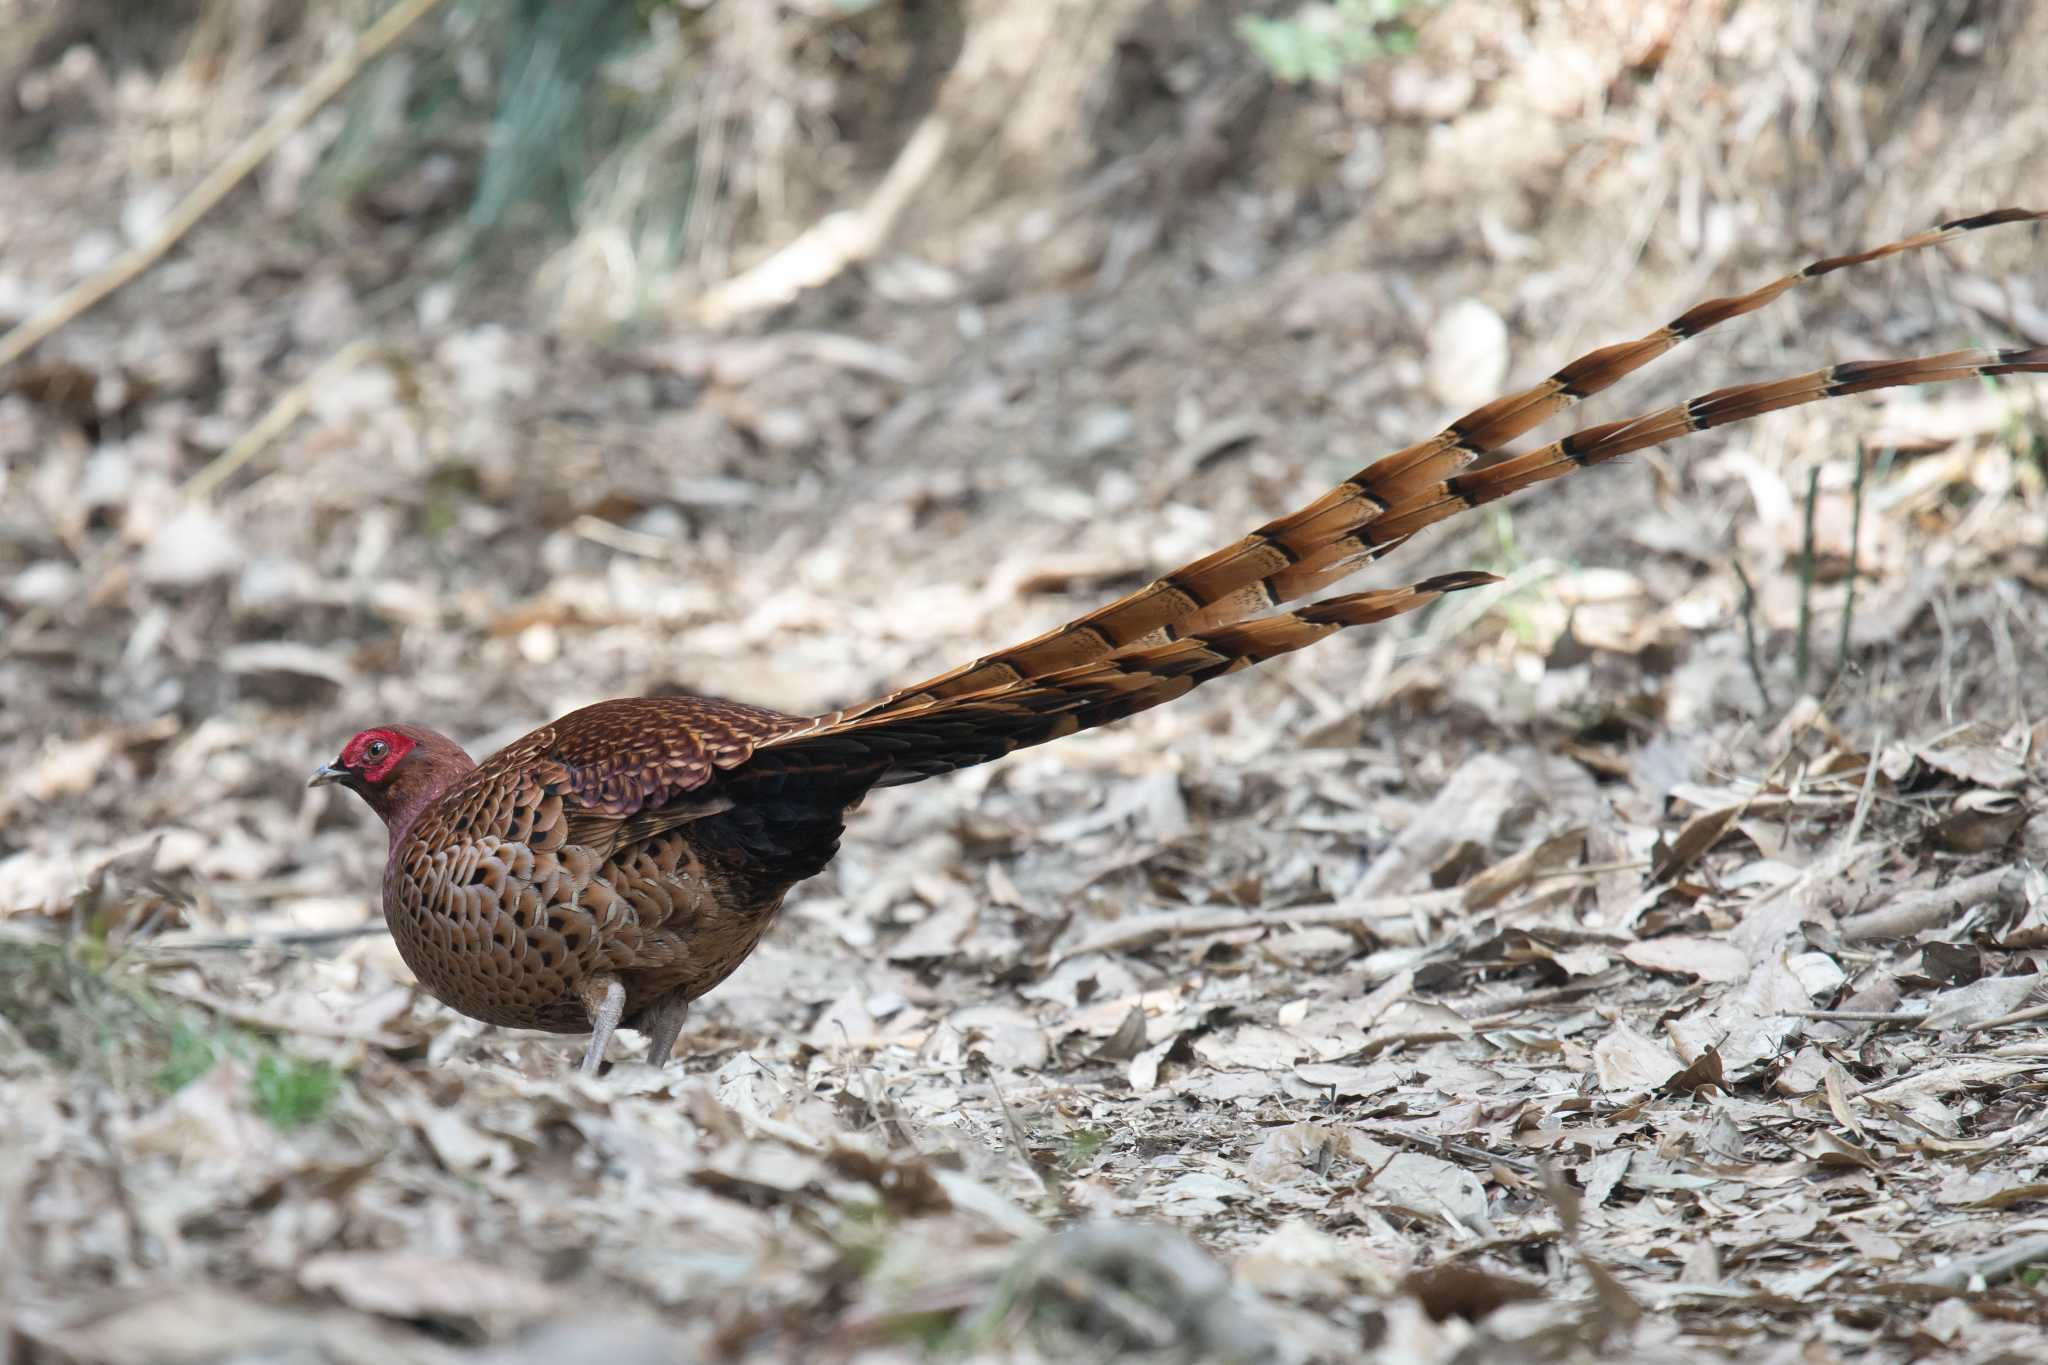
pixel 1830 1149
pixel 1705 1071
pixel 1452 1290
pixel 1981 820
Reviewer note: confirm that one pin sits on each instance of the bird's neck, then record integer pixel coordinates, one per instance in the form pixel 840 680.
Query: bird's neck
pixel 403 805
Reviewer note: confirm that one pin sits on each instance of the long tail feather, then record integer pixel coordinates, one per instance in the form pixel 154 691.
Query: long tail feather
pixel 1599 444
pixel 1353 522
pixel 944 734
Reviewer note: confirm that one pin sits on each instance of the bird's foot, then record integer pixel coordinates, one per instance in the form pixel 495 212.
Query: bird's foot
pixel 605 998
pixel 663 1023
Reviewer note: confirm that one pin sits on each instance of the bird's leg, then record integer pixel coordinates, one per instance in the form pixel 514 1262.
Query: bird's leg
pixel 662 1023
pixel 605 998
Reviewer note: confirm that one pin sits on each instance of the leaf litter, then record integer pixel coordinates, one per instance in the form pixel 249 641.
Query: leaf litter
pixel 1528 983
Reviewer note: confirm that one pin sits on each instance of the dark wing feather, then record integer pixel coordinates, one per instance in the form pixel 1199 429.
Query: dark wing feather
pixel 640 753
pixel 637 767
pixel 632 768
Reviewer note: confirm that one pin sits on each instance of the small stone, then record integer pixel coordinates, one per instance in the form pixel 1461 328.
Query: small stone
pixel 1468 354
pixel 190 548
pixel 540 643
pixel 1101 429
pixel 42 583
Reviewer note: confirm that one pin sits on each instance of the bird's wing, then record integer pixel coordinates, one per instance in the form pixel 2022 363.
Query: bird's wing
pixel 629 769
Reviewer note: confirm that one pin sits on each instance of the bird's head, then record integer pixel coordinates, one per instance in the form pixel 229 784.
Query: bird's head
pixel 397 769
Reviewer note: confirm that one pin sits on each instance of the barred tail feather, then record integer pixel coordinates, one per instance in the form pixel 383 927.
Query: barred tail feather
pixel 1382 504
pixel 948 733
pixel 1723 407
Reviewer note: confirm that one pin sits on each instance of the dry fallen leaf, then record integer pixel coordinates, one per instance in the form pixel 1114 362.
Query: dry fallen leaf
pixel 1428 1187
pixel 1299 1259
pixel 1977 762
pixel 1709 959
pixel 1008 1038
pixel 412 1285
pixel 1980 1002
pixel 1625 1060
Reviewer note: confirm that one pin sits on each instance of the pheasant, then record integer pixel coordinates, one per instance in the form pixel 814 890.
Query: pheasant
pixel 611 867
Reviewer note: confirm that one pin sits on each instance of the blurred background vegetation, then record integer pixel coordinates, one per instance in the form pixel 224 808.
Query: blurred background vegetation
pixel 620 159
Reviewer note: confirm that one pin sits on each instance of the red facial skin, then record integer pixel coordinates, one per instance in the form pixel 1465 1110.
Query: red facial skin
pixel 374 753
pixel 398 770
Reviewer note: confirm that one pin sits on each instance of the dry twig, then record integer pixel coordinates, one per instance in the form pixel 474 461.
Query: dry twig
pixel 329 82
pixel 834 242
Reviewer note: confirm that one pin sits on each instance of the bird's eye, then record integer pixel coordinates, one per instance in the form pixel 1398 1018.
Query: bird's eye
pixel 376 749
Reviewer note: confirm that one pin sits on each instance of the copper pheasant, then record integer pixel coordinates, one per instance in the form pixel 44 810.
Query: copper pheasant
pixel 613 866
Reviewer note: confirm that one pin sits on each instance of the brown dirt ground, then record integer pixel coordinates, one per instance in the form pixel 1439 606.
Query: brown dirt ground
pixel 1558 974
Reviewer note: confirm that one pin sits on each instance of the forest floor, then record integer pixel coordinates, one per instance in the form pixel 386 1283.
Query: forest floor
pixel 1562 974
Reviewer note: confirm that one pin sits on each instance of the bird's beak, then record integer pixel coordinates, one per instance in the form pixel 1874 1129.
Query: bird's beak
pixel 325 774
